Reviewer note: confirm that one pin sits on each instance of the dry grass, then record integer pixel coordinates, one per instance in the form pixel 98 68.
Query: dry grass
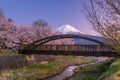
pixel 40 71
pixel 8 52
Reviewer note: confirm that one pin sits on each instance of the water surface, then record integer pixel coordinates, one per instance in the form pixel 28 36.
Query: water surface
pixel 66 73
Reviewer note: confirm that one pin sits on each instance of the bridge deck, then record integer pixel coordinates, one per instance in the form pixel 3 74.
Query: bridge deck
pixel 81 50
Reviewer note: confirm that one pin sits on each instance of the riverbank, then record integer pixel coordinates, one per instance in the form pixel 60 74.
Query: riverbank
pixel 68 72
pixel 113 73
pixel 43 70
pixel 92 72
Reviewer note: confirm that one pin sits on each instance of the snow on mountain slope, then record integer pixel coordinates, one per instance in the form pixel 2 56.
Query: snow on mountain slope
pixel 66 29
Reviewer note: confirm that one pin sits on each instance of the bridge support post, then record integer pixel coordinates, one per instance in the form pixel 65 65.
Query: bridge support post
pixel 30 58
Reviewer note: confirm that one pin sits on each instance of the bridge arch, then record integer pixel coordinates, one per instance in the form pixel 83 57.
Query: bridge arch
pixel 55 37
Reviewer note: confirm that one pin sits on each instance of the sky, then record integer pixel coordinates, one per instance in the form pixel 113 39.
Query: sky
pixel 55 12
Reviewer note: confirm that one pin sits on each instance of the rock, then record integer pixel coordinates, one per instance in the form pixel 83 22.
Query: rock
pixel 44 62
pixel 77 70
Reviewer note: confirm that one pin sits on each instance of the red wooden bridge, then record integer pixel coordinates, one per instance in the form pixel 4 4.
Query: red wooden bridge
pixel 37 47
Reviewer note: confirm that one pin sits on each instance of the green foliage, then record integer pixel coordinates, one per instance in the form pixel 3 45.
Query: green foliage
pixel 40 67
pixel 45 66
pixel 91 72
pixel 72 57
pixel 113 70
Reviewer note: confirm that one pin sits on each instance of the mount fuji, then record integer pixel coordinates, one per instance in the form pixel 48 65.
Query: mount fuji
pixel 68 29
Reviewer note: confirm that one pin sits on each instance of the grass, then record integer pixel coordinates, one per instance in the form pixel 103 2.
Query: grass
pixel 114 71
pixel 41 71
pixel 91 72
pixel 8 52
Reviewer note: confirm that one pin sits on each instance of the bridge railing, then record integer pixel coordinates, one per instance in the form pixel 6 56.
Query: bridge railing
pixel 77 50
pixel 90 48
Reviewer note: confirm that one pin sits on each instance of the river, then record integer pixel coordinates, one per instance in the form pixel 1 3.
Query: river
pixel 68 72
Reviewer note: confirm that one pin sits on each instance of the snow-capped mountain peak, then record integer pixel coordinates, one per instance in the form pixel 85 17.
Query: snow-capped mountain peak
pixel 66 29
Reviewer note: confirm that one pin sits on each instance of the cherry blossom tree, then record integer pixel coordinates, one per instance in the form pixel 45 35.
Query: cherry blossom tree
pixel 104 16
pixel 26 34
pixel 8 33
pixel 14 36
pixel 42 29
pixel 64 41
pixel 2 17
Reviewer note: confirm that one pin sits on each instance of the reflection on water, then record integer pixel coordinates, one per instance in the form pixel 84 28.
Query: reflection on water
pixel 66 73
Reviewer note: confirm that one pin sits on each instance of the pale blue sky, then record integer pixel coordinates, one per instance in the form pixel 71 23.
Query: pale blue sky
pixel 55 12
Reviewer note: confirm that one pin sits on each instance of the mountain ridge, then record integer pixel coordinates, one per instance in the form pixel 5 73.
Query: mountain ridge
pixel 66 29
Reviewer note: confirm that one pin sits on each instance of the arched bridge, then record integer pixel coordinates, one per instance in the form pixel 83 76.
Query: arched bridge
pixel 37 47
